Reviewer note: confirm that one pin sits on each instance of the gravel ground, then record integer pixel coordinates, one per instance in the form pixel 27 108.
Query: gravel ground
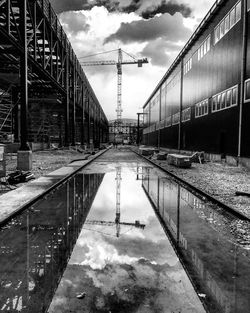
pixel 220 180
pixel 217 179
pixel 43 162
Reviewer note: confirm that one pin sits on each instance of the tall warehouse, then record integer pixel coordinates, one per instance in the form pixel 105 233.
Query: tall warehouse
pixel 203 101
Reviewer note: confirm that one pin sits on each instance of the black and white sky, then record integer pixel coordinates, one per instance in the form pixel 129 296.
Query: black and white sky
pixel 156 29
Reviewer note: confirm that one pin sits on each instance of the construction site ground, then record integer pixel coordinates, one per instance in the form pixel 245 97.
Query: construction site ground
pixel 215 178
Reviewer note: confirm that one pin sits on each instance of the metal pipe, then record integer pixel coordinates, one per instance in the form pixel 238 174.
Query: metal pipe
pixel 242 78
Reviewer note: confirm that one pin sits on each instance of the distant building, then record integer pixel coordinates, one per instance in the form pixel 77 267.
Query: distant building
pixel 124 131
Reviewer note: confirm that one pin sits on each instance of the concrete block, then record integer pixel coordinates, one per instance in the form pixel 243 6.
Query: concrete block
pixel 231 160
pixel 24 160
pixel 179 160
pixel 161 156
pixel 146 151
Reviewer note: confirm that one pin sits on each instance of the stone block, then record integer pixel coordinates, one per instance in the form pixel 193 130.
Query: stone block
pixel 24 160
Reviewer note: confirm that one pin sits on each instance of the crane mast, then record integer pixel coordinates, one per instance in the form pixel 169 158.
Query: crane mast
pixel 119 87
pixel 118 64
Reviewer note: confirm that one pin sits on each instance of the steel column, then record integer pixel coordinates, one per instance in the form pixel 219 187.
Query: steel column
pixel 66 104
pixel 74 105
pixel 181 105
pixel 24 77
pixel 243 69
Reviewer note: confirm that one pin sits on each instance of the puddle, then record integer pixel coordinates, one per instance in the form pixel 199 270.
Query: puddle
pixel 105 241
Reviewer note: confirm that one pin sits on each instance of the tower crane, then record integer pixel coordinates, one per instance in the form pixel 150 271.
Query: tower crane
pixel 118 64
pixel 117 221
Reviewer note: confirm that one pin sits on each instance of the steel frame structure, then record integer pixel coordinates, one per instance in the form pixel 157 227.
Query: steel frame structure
pixel 37 59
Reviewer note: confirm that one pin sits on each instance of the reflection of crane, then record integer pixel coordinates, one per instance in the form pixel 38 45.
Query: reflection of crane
pixel 117 221
pixel 118 64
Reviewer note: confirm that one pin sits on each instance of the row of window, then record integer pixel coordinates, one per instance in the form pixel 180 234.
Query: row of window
pixel 201 108
pixel 221 101
pixel 225 99
pixel 187 66
pixel 227 22
pixel 204 48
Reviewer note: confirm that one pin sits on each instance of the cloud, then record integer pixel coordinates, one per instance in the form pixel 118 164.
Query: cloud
pixel 170 7
pixel 161 52
pixel 74 22
pixel 146 9
pixel 168 27
pixel 66 5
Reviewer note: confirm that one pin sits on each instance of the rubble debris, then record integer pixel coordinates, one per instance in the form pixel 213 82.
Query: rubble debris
pixel 242 193
pixel 179 160
pixel 81 295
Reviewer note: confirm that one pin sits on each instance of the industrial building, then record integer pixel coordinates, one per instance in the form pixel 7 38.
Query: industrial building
pixel 123 131
pixel 202 102
pixel 45 96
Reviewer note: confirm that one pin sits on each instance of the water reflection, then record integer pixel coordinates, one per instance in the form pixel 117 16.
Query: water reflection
pixel 36 246
pixel 212 244
pixel 135 272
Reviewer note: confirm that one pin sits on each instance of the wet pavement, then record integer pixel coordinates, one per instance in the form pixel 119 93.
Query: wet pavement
pixel 117 237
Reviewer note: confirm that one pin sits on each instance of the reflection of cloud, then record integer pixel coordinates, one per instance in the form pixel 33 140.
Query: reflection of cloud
pixel 97 253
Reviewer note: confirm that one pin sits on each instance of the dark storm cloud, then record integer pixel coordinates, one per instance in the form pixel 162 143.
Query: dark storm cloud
pixel 167 7
pixel 165 26
pixel 68 5
pixel 146 10
pixel 132 7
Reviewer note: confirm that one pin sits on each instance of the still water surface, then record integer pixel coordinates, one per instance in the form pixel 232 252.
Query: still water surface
pixel 71 243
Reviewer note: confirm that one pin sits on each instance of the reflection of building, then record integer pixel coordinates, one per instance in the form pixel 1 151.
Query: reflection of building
pixel 36 246
pixel 202 235
pixel 124 131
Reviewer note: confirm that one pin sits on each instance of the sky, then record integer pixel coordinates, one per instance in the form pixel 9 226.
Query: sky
pixel 152 29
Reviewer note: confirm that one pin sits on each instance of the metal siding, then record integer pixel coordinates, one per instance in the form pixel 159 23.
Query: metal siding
pixel 218 70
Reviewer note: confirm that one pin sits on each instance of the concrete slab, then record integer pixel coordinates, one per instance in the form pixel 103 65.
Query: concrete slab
pixel 13 201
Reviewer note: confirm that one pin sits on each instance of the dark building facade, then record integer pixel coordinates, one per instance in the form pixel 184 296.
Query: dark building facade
pixel 202 102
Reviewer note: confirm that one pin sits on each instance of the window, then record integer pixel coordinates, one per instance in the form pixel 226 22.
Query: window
pixel 238 12
pixel 232 17
pixel 247 90
pixel 168 121
pixel 176 118
pixel 186 115
pixel 229 98
pixel 188 66
pixel 217 34
pixel 214 105
pixel 201 108
pixel 204 48
pixel 234 96
pixel 225 99
pixel 222 28
pixel 227 22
